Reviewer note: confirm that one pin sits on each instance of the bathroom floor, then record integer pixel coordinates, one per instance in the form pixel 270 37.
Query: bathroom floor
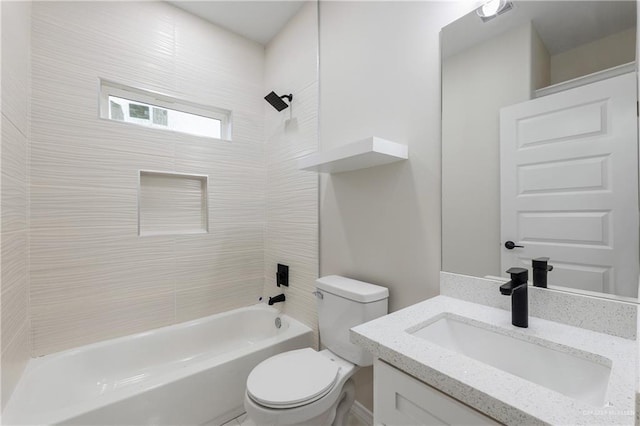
pixel 239 421
pixel 243 421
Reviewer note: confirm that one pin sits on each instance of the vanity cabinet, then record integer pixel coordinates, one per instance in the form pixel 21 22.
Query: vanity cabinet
pixel 400 399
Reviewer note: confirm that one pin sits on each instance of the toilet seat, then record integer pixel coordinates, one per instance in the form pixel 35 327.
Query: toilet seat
pixel 292 379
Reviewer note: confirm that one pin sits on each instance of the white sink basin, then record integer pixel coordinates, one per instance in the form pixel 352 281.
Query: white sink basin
pixel 574 373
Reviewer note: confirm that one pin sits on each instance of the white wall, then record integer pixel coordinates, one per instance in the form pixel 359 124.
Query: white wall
pixel 16 46
pixel 291 66
pixel 607 52
pixel 475 89
pixel 380 75
pixel 637 390
pixel 92 276
pixel 540 62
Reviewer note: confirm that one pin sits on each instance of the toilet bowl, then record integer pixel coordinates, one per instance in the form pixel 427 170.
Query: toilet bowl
pixel 301 387
pixel 307 387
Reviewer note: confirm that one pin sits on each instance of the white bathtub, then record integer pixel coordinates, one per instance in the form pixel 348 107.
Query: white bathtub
pixel 185 374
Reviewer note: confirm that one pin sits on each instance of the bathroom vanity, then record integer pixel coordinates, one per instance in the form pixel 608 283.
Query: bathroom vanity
pixel 451 361
pixel 403 399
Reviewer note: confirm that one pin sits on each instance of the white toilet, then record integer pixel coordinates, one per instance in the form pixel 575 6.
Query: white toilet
pixel 315 388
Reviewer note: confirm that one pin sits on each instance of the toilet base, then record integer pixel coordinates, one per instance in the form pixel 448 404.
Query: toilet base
pixel 346 402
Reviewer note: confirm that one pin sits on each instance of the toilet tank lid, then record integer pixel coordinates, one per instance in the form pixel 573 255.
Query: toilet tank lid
pixel 355 290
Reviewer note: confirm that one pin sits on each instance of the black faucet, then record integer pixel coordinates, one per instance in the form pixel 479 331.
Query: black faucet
pixel 540 269
pixel 276 299
pixel 517 289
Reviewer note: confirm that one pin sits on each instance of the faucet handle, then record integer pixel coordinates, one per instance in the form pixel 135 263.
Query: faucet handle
pixel 282 275
pixel 518 275
pixel 540 269
pixel 541 263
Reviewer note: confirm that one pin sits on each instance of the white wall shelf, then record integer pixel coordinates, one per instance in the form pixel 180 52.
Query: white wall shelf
pixel 362 154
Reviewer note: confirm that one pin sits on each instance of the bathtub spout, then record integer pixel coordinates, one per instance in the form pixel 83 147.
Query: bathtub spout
pixel 276 299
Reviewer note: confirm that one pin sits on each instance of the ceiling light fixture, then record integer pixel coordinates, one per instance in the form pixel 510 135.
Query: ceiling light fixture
pixel 493 8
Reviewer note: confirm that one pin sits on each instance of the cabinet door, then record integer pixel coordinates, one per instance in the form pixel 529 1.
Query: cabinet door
pixel 400 399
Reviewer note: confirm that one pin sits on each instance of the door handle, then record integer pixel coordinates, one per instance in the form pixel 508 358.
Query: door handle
pixel 510 245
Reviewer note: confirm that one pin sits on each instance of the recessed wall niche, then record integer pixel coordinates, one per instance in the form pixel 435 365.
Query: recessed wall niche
pixel 172 203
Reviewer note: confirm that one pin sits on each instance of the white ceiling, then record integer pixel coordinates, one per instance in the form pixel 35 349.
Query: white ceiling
pixel 256 20
pixel 562 25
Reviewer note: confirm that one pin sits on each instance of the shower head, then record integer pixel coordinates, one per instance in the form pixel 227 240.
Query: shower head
pixel 277 101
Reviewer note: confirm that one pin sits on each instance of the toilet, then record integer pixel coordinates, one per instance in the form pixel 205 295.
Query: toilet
pixel 307 387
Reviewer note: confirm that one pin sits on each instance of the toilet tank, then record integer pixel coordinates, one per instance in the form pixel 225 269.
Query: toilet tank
pixel 344 303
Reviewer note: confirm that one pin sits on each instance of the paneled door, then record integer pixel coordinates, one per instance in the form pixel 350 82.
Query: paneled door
pixel 569 185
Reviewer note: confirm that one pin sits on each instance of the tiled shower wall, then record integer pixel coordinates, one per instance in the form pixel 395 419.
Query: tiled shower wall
pixel 291 64
pixel 92 276
pixel 16 35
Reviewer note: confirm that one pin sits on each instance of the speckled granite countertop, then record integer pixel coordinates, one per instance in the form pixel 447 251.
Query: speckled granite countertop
pixel 503 396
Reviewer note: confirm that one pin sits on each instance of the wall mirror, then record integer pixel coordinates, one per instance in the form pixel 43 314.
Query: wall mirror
pixel 540 144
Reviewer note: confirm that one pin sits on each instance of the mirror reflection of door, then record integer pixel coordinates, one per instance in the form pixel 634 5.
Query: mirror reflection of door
pixel 568 172
pixel 527 53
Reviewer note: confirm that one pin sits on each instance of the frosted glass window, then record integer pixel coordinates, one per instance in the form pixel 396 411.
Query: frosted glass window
pixel 136 112
pixel 136 106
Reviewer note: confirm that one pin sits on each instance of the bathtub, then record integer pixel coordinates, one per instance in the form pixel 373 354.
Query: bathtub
pixel 185 374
